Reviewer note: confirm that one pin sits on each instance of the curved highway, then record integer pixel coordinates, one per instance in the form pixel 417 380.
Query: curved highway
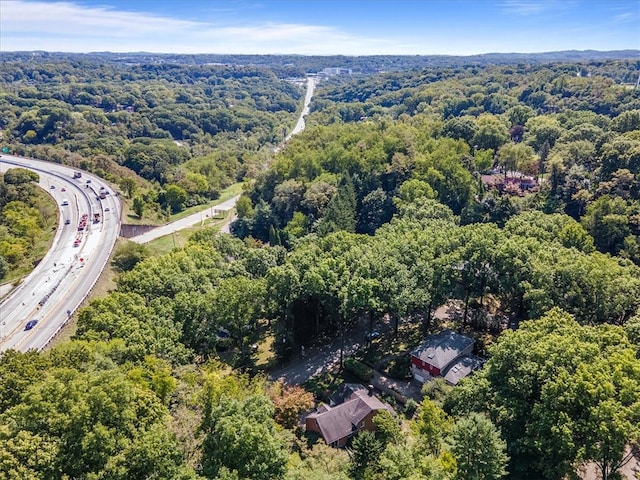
pixel 64 277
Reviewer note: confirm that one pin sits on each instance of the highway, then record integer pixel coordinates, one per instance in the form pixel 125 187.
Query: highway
pixel 311 85
pixel 66 274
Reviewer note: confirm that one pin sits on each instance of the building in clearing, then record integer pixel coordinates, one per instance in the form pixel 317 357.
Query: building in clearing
pixel 447 354
pixel 331 71
pixel 338 423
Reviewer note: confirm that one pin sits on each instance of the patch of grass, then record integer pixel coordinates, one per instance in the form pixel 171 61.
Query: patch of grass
pixel 164 245
pixel 265 357
pixel 226 194
pixel 129 216
pixel 42 243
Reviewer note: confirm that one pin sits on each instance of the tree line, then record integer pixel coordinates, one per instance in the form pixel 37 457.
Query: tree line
pixel 171 136
pixel 377 211
pixel 26 216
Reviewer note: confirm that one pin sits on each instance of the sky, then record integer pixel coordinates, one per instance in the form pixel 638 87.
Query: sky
pixel 320 27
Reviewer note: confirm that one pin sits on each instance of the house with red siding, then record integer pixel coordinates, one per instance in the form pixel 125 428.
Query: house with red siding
pixel 439 353
pixel 338 423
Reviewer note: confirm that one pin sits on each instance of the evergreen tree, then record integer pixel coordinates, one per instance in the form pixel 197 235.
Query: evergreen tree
pixel 341 210
pixel 478 449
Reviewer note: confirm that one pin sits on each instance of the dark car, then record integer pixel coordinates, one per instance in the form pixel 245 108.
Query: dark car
pixel 30 324
pixel 67 221
pixel 373 335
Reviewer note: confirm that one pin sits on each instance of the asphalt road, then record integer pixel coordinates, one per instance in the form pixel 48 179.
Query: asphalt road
pixel 311 85
pixel 66 274
pixel 185 222
pixel 318 359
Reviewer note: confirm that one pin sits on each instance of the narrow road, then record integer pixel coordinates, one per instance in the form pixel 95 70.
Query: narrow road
pixel 318 359
pixel 325 357
pixel 199 217
pixel 311 85
pixel 185 222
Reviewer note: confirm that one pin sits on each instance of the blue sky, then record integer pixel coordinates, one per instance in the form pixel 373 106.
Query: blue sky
pixel 320 27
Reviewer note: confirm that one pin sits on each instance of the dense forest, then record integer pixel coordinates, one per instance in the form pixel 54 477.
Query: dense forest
pixel 170 136
pixel 511 191
pixel 27 216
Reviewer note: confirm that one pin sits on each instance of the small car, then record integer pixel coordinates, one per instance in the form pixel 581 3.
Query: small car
pixel 107 209
pixel 53 187
pixel 67 221
pixel 373 335
pixel 223 333
pixel 30 324
pixel 63 189
pixel 88 181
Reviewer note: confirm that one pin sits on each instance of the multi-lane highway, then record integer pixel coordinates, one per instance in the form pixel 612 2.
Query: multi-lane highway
pixel 64 277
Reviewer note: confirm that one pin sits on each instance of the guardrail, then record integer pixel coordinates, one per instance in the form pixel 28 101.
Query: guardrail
pixel 102 267
pixel 95 279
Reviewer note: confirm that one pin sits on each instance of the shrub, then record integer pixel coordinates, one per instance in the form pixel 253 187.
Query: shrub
pixel 400 368
pixel 358 369
pixel 410 408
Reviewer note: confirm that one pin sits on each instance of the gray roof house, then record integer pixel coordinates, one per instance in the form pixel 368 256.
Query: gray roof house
pixel 461 368
pixel 337 424
pixel 442 354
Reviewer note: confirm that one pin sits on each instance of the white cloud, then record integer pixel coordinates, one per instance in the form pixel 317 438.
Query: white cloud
pixel 626 17
pixel 522 7
pixel 533 7
pixel 66 26
pixel 66 17
pixel 72 27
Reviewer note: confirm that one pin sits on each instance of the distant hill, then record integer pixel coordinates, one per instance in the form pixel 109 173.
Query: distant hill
pixel 298 64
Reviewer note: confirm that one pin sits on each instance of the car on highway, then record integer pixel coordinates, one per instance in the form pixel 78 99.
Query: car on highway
pixel 30 324
pixel 65 203
pixel 67 221
pixel 63 189
pixel 107 209
pixel 88 181
pixel 53 187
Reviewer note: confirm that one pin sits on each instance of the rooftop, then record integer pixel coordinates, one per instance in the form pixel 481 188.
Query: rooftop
pixel 441 349
pixel 461 368
pixel 342 420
